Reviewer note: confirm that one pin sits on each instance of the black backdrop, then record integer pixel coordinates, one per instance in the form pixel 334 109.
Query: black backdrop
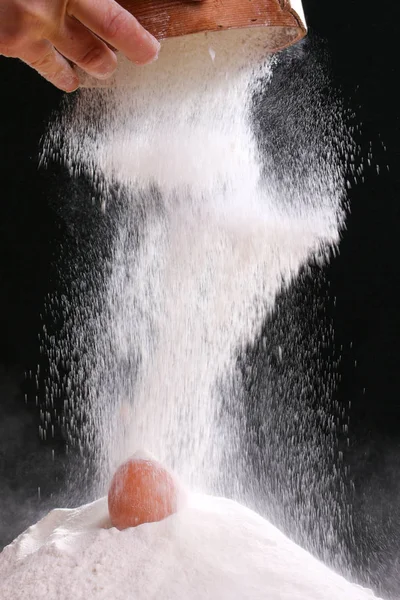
pixel 360 289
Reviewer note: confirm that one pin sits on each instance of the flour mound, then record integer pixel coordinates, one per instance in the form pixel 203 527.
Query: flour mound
pixel 212 549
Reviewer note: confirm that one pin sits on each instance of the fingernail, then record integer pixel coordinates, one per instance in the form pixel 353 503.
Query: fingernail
pixel 106 68
pixel 155 46
pixel 106 73
pixel 153 40
pixel 70 83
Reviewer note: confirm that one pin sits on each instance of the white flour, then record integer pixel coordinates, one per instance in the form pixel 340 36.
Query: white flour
pixel 202 243
pixel 214 549
pixel 203 239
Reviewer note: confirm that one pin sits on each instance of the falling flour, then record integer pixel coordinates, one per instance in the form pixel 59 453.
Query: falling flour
pixel 202 243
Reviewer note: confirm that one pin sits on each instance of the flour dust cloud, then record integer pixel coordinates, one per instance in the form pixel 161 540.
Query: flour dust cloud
pixel 203 236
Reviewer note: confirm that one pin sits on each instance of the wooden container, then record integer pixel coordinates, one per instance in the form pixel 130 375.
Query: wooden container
pixel 250 28
pixel 283 20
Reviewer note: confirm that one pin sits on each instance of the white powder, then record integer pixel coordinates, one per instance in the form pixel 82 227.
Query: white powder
pixel 214 549
pixel 203 242
pixel 203 237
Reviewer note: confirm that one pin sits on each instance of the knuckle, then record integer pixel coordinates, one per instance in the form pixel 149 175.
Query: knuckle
pixel 6 45
pixel 117 22
pixel 10 40
pixel 93 57
pixel 17 31
pixel 44 64
pixel 37 13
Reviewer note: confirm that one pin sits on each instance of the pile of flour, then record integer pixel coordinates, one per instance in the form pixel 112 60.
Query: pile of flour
pixel 212 549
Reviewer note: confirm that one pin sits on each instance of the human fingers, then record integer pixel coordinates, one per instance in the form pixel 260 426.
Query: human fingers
pixel 86 50
pixel 22 35
pixel 116 26
pixel 44 58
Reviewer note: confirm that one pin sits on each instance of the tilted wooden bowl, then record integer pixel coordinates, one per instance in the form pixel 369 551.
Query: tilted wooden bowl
pixel 283 20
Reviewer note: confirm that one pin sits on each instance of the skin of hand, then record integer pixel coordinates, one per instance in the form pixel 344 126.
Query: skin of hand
pixel 50 35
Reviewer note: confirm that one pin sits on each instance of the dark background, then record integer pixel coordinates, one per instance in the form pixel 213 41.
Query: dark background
pixel 359 288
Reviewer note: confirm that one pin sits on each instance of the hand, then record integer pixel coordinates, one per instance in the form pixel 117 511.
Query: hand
pixel 49 35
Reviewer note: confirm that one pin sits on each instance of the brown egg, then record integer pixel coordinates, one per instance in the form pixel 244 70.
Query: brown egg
pixel 141 491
